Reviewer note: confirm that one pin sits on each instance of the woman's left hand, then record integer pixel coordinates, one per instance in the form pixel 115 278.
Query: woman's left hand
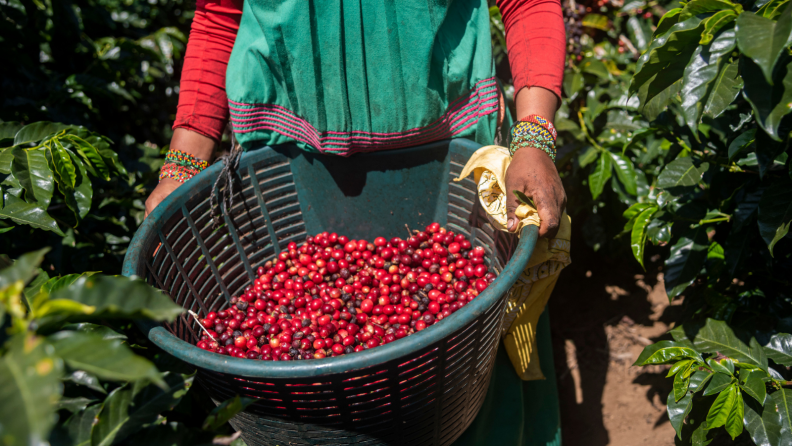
pixel 533 173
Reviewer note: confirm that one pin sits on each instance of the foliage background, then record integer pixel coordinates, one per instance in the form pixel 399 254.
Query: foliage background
pixel 111 66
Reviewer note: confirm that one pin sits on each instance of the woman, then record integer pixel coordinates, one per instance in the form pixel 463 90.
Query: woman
pixel 362 77
pixel 347 77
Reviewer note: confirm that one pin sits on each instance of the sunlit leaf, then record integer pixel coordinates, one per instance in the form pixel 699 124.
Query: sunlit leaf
pixel 31 388
pixel 600 175
pixel 763 39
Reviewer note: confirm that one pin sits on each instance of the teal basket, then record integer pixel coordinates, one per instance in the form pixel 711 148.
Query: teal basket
pixel 424 389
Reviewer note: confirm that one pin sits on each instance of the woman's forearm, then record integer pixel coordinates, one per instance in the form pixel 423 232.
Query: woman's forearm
pixel 203 107
pixel 536 101
pixel 536 43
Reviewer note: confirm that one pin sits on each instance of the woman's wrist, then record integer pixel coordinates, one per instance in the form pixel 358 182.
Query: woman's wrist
pixel 188 155
pixel 193 143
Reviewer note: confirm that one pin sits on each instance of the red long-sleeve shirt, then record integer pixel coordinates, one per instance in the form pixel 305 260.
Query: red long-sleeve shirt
pixel 535 41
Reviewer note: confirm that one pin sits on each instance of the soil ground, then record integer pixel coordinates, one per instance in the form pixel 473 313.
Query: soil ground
pixel 603 312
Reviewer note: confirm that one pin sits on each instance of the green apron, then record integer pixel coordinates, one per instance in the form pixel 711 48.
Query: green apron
pixel 357 76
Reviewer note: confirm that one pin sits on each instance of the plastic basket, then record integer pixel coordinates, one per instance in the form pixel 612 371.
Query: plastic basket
pixel 424 389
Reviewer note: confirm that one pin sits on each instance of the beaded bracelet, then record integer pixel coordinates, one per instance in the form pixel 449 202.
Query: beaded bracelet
pixel 534 131
pixel 181 166
pixel 185 159
pixel 177 172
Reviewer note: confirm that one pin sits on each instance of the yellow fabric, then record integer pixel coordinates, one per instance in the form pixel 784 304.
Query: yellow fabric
pixel 529 295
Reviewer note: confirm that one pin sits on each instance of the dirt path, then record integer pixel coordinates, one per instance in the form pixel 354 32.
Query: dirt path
pixel 603 312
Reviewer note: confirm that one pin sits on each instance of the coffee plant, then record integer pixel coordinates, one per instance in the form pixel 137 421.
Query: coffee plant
pixel 112 68
pixel 71 376
pixel 688 143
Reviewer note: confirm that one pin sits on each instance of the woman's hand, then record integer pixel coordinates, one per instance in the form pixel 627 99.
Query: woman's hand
pixel 533 173
pixel 196 144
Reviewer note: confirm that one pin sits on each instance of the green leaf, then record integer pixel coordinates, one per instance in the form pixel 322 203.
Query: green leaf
pixel 685 261
pixel 719 412
pixel 664 352
pixel 664 62
pixel 734 423
pixel 679 367
pixel 718 367
pixel 714 24
pixel 775 212
pixel 763 40
pixel 678 410
pixel 679 173
pixel 75 404
pixel 522 198
pixel 114 411
pixel 783 402
pixel 81 424
pixel 108 359
pixel 724 90
pixel 681 383
pixel 83 378
pixel 573 83
pixel 763 423
pixel 700 74
pixel 57 283
pixel 741 142
pixel 23 269
pixel 127 410
pixel 668 20
pixel 118 297
pixel 772 8
pixel 718 383
pixel 696 7
pixel 659 103
pixel 753 384
pixel 34 287
pixel 90 155
pixel 625 172
pixel 717 336
pixel 103 331
pixel 588 156
pixel 699 380
pixel 62 165
pixel 597 21
pixel 638 234
pixel 601 174
pixel 80 201
pixel 596 67
pixel 30 389
pixel 37 131
pixel 32 214
pixel 31 168
pixel 779 349
pixel 225 411
pixel 6 158
pixel 7 132
pixel 770 103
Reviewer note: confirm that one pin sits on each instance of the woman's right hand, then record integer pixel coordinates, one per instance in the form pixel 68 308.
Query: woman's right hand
pixel 197 145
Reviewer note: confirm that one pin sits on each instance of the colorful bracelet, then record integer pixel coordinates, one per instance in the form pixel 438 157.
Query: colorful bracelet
pixel 185 159
pixel 177 172
pixel 545 145
pixel 534 131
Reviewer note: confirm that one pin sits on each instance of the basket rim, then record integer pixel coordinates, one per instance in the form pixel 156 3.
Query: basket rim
pixel 312 367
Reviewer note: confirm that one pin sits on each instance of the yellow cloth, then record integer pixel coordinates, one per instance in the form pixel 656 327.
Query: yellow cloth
pixel 529 295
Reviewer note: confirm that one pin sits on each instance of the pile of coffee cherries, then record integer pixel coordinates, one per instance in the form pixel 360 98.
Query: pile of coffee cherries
pixel 332 296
